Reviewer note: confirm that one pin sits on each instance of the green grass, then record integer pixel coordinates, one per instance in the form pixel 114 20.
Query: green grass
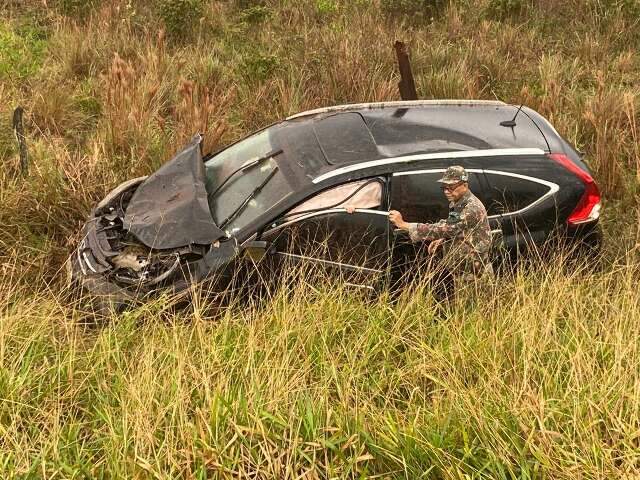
pixel 539 379
pixel 22 51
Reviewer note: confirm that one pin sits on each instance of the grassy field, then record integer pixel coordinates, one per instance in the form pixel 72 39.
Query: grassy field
pixel 538 379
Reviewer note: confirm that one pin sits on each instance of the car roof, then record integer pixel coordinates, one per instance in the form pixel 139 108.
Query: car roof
pixel 326 139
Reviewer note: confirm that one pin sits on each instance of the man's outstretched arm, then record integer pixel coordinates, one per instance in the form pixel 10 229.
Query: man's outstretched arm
pixel 433 231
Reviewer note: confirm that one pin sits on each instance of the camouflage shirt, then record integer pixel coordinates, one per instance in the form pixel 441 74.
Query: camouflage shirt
pixel 466 233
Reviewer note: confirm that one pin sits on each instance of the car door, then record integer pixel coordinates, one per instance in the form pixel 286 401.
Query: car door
pixel 325 237
pixel 419 197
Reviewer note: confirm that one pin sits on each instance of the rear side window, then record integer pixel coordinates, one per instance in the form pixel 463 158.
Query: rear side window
pixel 508 192
pixel 419 196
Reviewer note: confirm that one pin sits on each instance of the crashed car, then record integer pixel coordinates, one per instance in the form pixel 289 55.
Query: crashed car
pixel 282 192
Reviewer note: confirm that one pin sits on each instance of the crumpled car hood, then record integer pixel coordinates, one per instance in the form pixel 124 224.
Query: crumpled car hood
pixel 170 208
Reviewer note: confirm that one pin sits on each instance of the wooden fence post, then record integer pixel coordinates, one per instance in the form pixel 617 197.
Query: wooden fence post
pixel 18 130
pixel 406 85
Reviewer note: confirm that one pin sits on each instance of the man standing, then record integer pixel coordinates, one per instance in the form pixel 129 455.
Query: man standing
pixel 464 235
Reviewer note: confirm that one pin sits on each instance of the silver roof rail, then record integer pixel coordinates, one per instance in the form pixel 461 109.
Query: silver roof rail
pixel 396 104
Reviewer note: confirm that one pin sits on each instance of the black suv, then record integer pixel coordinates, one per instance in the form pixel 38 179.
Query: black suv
pixel 282 193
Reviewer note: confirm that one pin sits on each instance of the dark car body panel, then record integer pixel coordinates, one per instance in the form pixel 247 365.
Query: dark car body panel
pixel 557 143
pixel 339 242
pixel 170 209
pixel 450 128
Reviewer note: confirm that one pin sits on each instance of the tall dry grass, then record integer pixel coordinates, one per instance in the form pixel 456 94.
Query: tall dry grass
pixel 540 380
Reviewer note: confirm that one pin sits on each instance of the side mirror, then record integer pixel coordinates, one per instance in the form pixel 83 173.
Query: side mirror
pixel 255 250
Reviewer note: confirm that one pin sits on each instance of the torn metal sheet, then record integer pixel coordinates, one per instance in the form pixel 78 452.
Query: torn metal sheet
pixel 170 208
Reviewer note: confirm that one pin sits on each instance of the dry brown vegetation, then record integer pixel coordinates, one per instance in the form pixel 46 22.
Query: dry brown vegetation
pixel 540 381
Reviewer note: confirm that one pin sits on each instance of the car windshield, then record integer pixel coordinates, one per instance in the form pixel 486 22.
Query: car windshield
pixel 239 195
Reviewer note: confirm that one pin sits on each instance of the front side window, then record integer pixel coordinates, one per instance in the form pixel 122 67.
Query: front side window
pixel 419 197
pixel 362 194
pixel 244 181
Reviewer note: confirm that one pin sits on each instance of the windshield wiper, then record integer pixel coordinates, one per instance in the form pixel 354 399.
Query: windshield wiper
pixel 243 168
pixel 249 197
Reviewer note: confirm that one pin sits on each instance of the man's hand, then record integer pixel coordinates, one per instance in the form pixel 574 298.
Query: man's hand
pixel 395 217
pixel 433 246
pixel 350 208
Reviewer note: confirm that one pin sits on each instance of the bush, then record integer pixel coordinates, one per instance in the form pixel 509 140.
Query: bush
pixel 630 8
pixel 255 14
pixel 260 66
pixel 179 16
pixel 326 7
pixel 248 4
pixel 78 8
pixel 502 9
pixel 414 9
pixel 21 51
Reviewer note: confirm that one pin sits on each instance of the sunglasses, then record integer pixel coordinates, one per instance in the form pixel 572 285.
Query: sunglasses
pixel 450 188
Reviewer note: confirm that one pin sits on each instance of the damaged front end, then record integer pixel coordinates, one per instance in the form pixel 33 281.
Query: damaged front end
pixel 152 233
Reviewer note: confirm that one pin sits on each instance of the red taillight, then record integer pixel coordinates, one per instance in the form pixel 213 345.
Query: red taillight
pixel 588 208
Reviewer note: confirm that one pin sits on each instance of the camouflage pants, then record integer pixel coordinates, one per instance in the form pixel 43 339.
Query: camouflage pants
pixel 450 285
pixel 474 285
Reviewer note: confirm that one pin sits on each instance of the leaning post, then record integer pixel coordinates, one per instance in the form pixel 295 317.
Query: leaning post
pixel 406 85
pixel 18 130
